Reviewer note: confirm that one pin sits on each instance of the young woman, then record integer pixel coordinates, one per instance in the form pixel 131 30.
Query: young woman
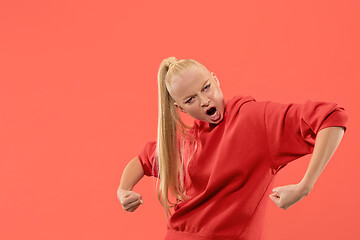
pixel 220 170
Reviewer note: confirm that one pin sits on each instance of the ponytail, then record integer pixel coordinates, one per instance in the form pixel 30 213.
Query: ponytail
pixel 170 159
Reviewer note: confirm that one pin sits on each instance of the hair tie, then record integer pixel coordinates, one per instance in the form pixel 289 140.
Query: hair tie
pixel 171 64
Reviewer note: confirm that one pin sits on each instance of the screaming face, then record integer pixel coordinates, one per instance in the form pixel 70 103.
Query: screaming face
pixel 197 92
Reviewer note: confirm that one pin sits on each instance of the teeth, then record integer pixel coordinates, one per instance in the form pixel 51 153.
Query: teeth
pixel 214 113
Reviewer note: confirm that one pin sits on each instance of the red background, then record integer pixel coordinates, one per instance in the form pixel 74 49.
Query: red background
pixel 78 100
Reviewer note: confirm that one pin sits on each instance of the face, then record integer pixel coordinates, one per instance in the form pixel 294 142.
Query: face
pixel 197 93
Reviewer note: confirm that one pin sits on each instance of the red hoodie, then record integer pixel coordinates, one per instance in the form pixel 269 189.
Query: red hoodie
pixel 229 178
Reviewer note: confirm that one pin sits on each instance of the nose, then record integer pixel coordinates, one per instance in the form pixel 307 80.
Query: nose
pixel 204 100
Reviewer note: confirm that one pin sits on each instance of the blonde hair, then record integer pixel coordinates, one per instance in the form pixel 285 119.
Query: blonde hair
pixel 170 158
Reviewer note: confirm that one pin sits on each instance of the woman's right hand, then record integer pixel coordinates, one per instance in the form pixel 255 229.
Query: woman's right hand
pixel 129 200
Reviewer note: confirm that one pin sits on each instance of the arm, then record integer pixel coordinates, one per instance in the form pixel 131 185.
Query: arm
pixel 132 174
pixel 327 141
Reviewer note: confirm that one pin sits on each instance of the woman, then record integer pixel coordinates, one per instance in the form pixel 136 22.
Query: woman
pixel 221 169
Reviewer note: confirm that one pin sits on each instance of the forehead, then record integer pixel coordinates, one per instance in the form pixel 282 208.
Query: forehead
pixel 188 83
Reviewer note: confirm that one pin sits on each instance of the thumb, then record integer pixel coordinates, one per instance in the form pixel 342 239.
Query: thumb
pixel 275 197
pixel 277 189
pixel 139 197
pixel 141 201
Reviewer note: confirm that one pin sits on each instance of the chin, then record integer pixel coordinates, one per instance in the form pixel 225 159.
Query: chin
pixel 218 121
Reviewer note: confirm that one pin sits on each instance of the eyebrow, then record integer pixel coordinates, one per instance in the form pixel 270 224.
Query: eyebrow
pixel 201 88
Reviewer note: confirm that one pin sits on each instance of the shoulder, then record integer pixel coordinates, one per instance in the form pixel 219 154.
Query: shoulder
pixel 148 150
pixel 243 104
pixel 238 101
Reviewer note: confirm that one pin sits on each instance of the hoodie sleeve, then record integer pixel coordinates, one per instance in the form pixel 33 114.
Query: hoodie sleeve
pixel 292 128
pixel 147 159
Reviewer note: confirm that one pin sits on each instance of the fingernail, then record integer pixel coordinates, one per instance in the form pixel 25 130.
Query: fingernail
pixel 141 201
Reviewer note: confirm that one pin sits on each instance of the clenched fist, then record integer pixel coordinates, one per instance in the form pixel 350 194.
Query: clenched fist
pixel 129 200
pixel 285 196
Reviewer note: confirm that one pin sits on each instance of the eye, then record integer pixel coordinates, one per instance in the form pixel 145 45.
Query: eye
pixel 189 100
pixel 207 86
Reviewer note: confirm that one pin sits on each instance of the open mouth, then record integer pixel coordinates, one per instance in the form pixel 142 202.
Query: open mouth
pixel 213 114
pixel 211 111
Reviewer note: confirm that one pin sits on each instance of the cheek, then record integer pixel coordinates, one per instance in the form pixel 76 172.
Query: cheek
pixel 217 94
pixel 219 99
pixel 194 112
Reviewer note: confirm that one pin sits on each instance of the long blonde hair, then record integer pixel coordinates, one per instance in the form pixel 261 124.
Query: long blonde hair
pixel 170 158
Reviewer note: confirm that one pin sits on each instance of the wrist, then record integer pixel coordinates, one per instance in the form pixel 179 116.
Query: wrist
pixel 305 187
pixel 126 189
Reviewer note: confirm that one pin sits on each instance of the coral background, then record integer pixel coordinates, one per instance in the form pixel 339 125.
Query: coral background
pixel 78 100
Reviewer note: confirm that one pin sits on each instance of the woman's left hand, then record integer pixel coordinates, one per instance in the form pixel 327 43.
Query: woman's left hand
pixel 286 196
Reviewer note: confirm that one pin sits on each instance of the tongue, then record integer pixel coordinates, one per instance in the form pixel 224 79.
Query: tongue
pixel 215 116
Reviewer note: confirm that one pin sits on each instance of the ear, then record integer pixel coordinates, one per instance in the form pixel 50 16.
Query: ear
pixel 216 79
pixel 181 109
